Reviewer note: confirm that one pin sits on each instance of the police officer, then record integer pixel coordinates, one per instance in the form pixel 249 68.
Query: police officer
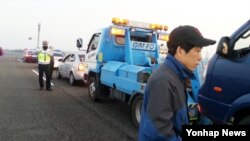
pixel 44 66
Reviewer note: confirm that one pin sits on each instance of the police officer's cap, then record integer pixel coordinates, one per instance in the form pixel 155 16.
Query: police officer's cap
pixel 45 43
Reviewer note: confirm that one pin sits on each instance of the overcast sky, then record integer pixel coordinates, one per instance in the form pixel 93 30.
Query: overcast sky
pixel 63 21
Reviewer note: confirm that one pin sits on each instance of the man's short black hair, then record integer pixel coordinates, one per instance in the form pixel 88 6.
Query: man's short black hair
pixel 186 47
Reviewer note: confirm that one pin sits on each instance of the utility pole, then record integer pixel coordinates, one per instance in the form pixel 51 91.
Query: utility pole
pixel 39 26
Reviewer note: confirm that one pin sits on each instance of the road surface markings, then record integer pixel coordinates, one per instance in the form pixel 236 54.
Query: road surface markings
pixel 19 60
pixel 43 77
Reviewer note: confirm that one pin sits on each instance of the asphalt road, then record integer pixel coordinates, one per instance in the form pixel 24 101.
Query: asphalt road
pixel 64 114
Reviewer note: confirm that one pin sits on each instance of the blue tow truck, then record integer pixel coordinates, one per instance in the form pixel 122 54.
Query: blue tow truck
pixel 120 60
pixel 225 95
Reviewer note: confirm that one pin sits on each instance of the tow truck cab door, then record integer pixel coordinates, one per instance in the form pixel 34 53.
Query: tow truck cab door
pixel 230 78
pixel 92 50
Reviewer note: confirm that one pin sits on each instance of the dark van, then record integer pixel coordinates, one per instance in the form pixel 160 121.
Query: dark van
pixel 225 95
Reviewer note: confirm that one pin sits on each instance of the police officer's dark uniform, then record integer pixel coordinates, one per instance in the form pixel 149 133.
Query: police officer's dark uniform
pixel 44 66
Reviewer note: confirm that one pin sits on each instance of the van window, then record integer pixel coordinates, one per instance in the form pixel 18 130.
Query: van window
pixel 242 46
pixel 243 42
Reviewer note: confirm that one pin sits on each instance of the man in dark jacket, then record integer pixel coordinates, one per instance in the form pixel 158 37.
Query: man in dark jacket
pixel 164 109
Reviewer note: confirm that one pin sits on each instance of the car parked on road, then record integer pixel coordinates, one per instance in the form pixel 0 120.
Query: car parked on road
pixel 57 56
pixel 34 56
pixel 73 67
pixel 30 56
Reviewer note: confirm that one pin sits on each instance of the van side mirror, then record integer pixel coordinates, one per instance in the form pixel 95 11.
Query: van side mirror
pixel 224 48
pixel 79 43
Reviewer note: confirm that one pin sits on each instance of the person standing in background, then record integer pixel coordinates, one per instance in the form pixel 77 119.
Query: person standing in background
pixel 44 66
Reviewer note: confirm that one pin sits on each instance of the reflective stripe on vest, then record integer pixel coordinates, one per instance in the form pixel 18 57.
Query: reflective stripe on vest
pixel 43 58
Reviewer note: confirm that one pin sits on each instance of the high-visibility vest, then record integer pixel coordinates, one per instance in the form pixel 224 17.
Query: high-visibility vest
pixel 43 58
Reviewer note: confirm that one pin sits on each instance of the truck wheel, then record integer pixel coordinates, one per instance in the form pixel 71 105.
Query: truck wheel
pixel 245 120
pixel 136 110
pixel 96 89
pixel 92 88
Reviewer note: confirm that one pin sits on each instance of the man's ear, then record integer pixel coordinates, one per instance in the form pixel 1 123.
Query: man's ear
pixel 179 54
pixel 180 51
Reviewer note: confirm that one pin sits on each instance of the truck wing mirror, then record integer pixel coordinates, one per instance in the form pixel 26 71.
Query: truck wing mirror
pixel 79 43
pixel 223 48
